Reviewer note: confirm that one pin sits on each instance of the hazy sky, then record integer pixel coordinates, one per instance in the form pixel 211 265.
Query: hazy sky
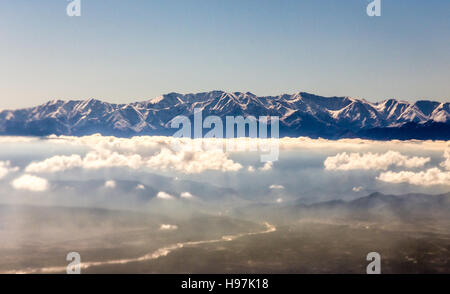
pixel 123 51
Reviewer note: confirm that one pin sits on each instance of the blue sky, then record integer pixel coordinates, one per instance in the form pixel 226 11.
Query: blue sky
pixel 123 51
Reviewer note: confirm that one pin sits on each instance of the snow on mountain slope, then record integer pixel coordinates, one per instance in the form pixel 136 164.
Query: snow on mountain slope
pixel 300 114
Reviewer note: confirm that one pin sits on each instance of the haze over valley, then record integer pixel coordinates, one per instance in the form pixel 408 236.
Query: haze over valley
pixel 137 205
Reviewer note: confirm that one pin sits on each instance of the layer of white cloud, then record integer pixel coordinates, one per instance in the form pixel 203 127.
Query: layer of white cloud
pixel 110 184
pixel 15 139
pixel 430 177
pixel 186 195
pixel 30 183
pixel 164 195
pixel 372 161
pixel 146 143
pixel 358 144
pixel 6 168
pixel 166 227
pixel 140 187
pixel 274 187
pixel 186 155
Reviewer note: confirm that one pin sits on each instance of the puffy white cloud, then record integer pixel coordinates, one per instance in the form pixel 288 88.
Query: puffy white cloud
pixel 430 177
pixel 30 183
pixel 110 184
pixel 446 163
pixel 279 200
pixel 267 166
pixel 166 227
pixel 55 164
pixel 192 161
pixel 276 187
pixel 372 161
pixel 164 195
pixel 107 159
pixel 158 153
pixel 186 195
pixel 140 187
pixel 357 189
pixel 6 168
pixel 189 156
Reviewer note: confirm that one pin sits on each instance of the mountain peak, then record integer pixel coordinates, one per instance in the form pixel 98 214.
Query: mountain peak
pixel 301 114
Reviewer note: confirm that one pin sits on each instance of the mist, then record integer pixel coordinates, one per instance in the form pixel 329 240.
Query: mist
pixel 114 199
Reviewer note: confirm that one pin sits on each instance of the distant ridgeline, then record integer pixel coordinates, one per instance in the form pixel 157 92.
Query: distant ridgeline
pixel 300 114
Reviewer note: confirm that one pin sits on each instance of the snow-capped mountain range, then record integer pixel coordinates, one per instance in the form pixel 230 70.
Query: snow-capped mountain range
pixel 301 114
